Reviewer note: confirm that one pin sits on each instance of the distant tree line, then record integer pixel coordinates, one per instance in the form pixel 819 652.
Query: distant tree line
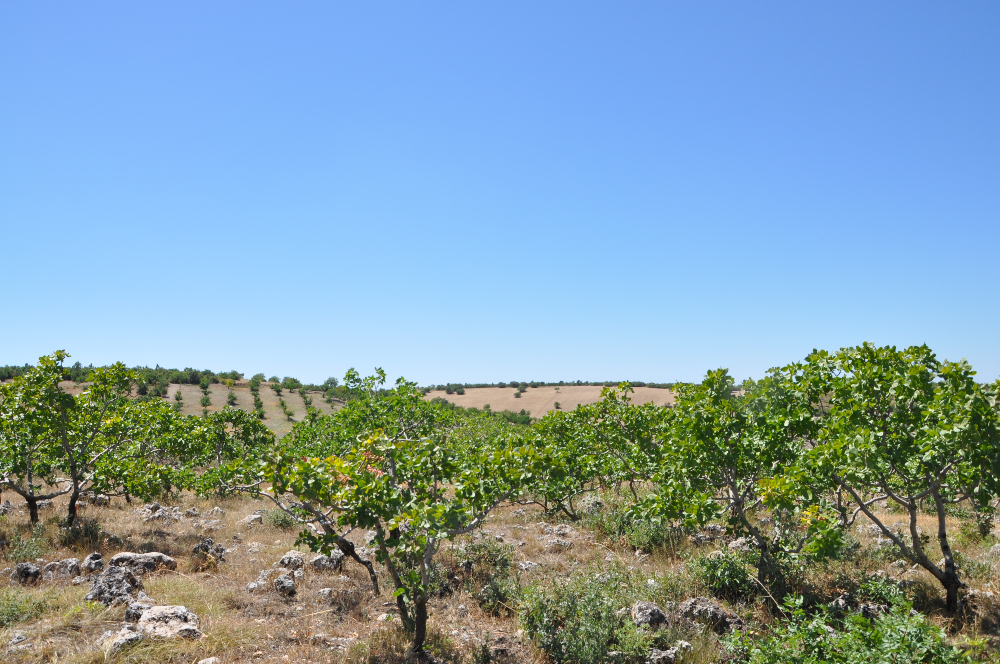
pixel 459 388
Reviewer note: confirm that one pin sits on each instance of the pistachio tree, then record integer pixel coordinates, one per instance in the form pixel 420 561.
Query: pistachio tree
pixel 29 453
pixel 902 427
pixel 102 438
pixel 724 445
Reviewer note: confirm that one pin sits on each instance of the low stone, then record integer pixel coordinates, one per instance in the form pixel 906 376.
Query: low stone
pixel 709 612
pixel 251 520
pixel 92 563
pixel 78 580
pixel 740 544
pixel 135 610
pixel 870 611
pixel 252 587
pixel 69 567
pixel 291 560
pixel 6 508
pixel 141 563
pixel 115 585
pixel 210 660
pixel 156 512
pixel 331 563
pixel 207 548
pixel 192 512
pixel 168 622
pixel 99 499
pixel 526 566
pixel 556 543
pixel 44 504
pixel 26 573
pixel 216 511
pixel 648 614
pixel 125 637
pixel 285 585
pixel 209 526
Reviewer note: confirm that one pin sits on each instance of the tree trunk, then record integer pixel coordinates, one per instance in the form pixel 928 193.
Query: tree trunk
pixel 32 507
pixel 73 498
pixel 951 585
pixel 420 626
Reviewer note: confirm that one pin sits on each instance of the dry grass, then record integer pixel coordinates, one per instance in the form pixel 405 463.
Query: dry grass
pixel 540 400
pixel 263 627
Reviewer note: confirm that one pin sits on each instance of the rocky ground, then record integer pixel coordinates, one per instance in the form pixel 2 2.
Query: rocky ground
pixel 196 580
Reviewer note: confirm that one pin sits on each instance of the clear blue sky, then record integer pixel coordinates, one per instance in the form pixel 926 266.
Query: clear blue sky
pixel 498 191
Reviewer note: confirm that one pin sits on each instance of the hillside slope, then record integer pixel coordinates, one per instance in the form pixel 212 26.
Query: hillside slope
pixel 540 400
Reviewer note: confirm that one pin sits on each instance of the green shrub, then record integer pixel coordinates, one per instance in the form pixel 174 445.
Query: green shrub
pixel 493 581
pixel 231 398
pixel 614 522
pixel 21 550
pixel 281 519
pixel 206 401
pixel 17 607
pixel 898 637
pixel 730 576
pixel 579 620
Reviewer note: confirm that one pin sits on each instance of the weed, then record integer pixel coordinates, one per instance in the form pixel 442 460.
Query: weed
pixel 17 607
pixel 281 520
pixel 729 575
pixel 82 534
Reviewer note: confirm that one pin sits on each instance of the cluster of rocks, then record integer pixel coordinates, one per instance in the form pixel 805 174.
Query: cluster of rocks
pixel 556 540
pixel 284 574
pixel 156 512
pixel 151 622
pixel 66 569
pixel 689 613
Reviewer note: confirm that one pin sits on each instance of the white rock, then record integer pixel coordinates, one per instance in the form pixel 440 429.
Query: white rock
pixel 168 622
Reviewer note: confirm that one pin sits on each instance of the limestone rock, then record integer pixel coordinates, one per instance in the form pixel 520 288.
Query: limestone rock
pixel 648 614
pixel 6 508
pixel 291 560
pixel 251 520
pixel 285 585
pixel 207 547
pixel 168 622
pixel 216 511
pixel 62 569
pixel 331 563
pixel 92 563
pixel 125 637
pixel 44 504
pixel 136 609
pixel 709 612
pixel 193 512
pixel 115 585
pixel 26 573
pixel 141 563
pixel 740 544
pixel 156 512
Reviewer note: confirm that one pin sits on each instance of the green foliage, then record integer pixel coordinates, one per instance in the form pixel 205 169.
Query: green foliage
pixel 231 398
pixel 206 401
pixel 22 549
pixel 290 383
pixel 905 426
pixel 17 607
pixel 897 637
pixel 494 581
pixel 729 576
pixel 281 519
pixel 616 520
pixel 578 620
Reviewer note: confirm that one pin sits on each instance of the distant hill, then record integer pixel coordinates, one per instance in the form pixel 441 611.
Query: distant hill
pixel 540 400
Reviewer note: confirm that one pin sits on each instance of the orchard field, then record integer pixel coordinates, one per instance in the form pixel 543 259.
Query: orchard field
pixel 841 509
